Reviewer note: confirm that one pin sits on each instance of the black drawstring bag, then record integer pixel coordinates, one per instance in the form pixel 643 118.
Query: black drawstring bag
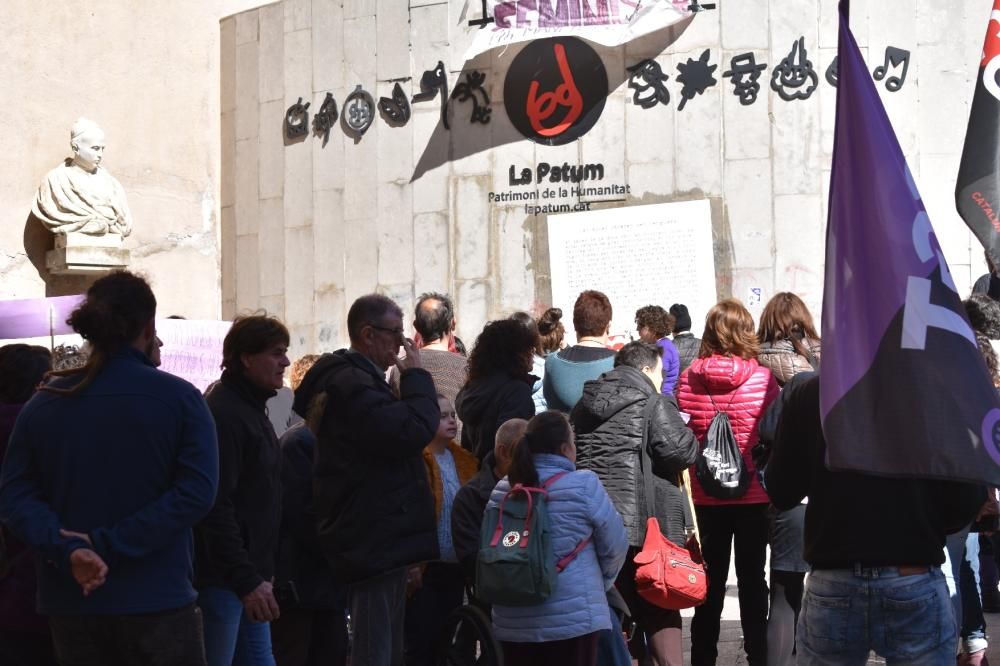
pixel 720 468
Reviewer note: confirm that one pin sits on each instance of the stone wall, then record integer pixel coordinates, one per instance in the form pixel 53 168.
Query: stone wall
pixel 148 73
pixel 306 227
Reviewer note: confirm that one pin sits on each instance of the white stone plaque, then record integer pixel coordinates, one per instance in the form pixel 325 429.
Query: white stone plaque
pixel 638 255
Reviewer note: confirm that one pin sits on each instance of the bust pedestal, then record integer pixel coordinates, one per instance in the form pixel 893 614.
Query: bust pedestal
pixel 82 254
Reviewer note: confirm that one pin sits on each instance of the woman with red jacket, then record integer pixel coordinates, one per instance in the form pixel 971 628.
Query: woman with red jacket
pixel 726 377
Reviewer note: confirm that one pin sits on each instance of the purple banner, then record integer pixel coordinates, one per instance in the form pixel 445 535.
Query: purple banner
pixel 36 317
pixel 904 390
pixel 192 349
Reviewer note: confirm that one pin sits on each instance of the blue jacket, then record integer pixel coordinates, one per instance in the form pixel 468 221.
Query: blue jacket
pixel 578 507
pixel 132 461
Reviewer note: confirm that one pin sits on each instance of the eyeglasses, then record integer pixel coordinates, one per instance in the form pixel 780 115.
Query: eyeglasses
pixel 398 332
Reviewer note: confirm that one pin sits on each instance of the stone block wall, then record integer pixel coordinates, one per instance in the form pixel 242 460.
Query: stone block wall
pixel 307 227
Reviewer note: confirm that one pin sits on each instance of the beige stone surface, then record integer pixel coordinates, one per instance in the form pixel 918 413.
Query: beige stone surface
pixel 405 210
pixel 150 73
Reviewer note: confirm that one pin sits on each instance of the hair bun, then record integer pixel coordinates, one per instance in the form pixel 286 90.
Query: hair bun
pixel 549 320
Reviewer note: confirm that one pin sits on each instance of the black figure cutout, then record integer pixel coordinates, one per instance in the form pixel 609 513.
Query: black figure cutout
pixel 833 72
pixel 795 72
pixel 647 76
pixel 297 120
pixel 396 110
pixel 745 65
pixel 359 111
pixel 894 57
pixel 485 20
pixel 467 90
pixel 696 76
pixel 431 82
pixel 325 117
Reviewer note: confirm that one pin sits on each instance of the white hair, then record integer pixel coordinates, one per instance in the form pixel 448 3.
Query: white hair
pixel 81 127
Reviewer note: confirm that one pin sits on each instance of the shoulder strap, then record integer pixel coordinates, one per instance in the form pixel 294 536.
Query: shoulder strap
pixel 648 487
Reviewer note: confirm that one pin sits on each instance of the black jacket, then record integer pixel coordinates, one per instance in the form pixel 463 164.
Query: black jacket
pixel 467 514
pixel 687 349
pixel 608 423
pixel 855 518
pixel 236 543
pixel 488 403
pixel 373 503
pixel 300 557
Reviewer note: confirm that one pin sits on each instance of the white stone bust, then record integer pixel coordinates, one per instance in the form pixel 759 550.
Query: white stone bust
pixel 81 196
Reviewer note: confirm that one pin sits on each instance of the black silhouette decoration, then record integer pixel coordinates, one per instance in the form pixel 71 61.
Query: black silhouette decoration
pixel 467 90
pixel 795 77
pixel 696 76
pixel 297 120
pixel 833 71
pixel 485 20
pixel 648 81
pixel 432 82
pixel 745 65
pixel 325 118
pixel 395 109
pixel 894 57
pixel 359 111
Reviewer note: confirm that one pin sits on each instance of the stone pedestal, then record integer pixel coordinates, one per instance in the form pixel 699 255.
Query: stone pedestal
pixel 82 254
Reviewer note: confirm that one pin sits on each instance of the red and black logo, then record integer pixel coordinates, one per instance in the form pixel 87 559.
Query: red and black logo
pixel 555 90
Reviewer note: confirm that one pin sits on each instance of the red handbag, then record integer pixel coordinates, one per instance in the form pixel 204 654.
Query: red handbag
pixel 667 575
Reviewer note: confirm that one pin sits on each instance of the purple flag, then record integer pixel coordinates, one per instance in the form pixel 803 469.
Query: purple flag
pixel 36 317
pixel 904 390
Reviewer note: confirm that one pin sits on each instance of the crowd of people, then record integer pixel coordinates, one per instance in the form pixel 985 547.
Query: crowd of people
pixel 340 519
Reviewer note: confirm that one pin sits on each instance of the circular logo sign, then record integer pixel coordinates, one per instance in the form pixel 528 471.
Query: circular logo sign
pixel 555 90
pixel 692 579
pixel 511 538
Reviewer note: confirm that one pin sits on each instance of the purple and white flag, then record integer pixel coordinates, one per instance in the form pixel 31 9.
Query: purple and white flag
pixel 904 390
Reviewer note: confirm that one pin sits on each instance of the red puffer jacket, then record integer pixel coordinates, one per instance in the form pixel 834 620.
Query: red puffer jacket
pixel 744 390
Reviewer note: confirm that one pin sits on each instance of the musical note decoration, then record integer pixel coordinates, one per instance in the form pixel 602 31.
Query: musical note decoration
pixel 485 20
pixel 833 71
pixel 297 120
pixel 696 77
pixel 467 90
pixel 432 82
pixel 794 78
pixel 396 109
pixel 648 77
pixel 745 65
pixel 359 111
pixel 895 58
pixel 325 118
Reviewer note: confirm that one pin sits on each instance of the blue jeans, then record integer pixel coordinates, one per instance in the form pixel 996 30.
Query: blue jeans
pixel 962 565
pixel 908 620
pixel 232 638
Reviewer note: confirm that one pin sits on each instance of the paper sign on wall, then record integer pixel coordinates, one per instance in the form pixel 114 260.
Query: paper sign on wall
pixel 638 255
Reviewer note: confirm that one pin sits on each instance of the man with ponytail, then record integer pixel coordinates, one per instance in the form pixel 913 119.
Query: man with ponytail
pixel 107 470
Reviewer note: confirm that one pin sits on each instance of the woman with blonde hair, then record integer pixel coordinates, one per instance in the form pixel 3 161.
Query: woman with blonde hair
pixel 727 378
pixel 789 343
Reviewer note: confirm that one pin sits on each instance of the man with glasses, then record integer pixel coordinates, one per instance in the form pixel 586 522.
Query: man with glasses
pixel 372 498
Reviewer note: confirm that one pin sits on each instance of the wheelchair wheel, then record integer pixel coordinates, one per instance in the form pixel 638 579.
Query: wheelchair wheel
pixel 468 640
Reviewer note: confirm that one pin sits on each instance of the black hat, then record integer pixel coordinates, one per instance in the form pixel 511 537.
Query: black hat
pixel 680 313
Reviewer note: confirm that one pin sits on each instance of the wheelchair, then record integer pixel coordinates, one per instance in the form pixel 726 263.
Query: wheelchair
pixel 467 639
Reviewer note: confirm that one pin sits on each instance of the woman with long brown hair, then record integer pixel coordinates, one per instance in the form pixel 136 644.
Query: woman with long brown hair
pixel 727 378
pixel 789 343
